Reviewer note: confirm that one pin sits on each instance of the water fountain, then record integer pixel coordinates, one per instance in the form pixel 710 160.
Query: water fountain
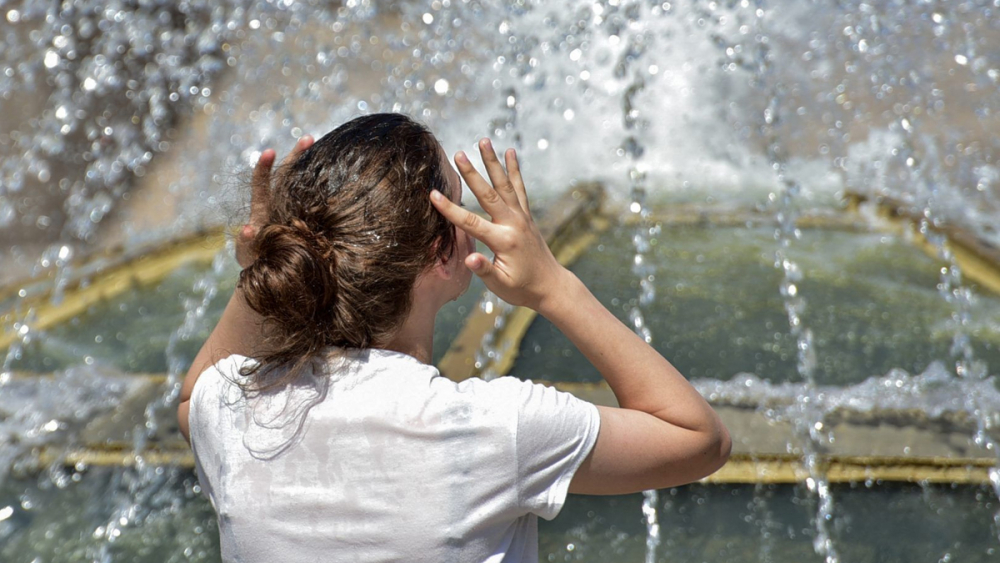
pixel 727 136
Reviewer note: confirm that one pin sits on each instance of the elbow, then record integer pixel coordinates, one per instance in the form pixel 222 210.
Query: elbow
pixel 725 445
pixel 720 448
pixel 715 451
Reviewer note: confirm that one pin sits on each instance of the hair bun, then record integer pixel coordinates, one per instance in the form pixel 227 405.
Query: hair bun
pixel 293 282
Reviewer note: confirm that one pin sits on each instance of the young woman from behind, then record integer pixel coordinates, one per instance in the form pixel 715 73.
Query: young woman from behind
pixel 320 430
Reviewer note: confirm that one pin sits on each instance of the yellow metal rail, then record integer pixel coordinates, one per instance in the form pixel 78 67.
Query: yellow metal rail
pixel 979 259
pixel 742 468
pixel 112 281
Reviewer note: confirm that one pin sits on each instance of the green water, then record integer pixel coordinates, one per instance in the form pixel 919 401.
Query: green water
pixel 131 332
pixel 872 303
pixel 721 523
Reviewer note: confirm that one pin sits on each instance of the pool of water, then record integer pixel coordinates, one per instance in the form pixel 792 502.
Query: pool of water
pixel 131 332
pixel 872 303
pixel 57 518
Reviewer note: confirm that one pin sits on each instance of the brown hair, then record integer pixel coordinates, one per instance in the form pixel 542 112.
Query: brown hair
pixel 350 229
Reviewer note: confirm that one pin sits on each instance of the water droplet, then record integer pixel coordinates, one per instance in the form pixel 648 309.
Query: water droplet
pixel 51 59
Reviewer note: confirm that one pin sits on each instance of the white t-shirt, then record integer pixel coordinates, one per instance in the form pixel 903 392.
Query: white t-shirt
pixel 383 459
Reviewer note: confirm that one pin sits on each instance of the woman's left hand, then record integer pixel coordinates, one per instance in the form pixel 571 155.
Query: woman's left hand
pixel 260 200
pixel 523 271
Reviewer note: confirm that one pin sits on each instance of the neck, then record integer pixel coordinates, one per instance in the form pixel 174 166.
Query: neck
pixel 416 336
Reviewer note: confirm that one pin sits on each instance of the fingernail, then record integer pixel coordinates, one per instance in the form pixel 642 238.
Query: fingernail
pixel 461 157
pixel 487 144
pixel 436 195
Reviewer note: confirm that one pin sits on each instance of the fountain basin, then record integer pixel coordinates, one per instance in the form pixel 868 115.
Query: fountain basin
pixel 873 305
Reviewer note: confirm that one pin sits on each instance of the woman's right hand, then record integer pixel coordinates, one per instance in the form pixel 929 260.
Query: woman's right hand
pixel 523 271
pixel 260 199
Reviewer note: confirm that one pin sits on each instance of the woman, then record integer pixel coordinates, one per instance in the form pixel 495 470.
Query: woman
pixel 338 441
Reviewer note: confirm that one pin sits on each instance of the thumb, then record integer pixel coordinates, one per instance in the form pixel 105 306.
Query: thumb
pixel 248 232
pixel 479 264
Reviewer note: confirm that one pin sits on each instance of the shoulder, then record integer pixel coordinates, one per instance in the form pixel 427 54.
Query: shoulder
pixel 219 383
pixel 533 402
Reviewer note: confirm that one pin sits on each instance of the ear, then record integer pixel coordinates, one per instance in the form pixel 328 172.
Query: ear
pixel 444 264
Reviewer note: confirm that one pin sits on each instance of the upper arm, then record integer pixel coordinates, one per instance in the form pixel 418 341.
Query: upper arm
pixel 183 410
pixel 237 333
pixel 636 451
pixel 201 363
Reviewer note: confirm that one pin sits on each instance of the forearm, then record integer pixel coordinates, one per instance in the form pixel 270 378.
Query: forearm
pixel 238 332
pixel 640 377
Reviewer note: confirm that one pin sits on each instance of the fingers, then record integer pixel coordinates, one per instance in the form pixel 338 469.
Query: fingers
pixel 498 176
pixel 301 145
pixel 260 188
pixel 488 198
pixel 469 222
pixel 244 245
pixel 260 195
pixel 514 175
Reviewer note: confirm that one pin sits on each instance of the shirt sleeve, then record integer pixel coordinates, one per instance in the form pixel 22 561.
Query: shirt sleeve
pixel 555 433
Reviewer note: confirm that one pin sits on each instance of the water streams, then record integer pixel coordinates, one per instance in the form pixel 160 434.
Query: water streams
pixel 628 24
pixel 809 416
pixel 125 122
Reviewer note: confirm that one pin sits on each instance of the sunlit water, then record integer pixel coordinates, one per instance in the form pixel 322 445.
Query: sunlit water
pixel 125 122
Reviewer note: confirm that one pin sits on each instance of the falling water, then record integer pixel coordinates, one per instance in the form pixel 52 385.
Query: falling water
pixel 143 479
pixel 627 24
pixel 107 102
pixel 761 515
pixel 504 129
pixel 809 418
pixel 919 158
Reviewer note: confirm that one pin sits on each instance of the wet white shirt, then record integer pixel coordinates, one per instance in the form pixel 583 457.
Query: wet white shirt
pixel 385 460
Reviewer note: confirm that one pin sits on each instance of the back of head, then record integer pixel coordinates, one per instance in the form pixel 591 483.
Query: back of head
pixel 350 229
